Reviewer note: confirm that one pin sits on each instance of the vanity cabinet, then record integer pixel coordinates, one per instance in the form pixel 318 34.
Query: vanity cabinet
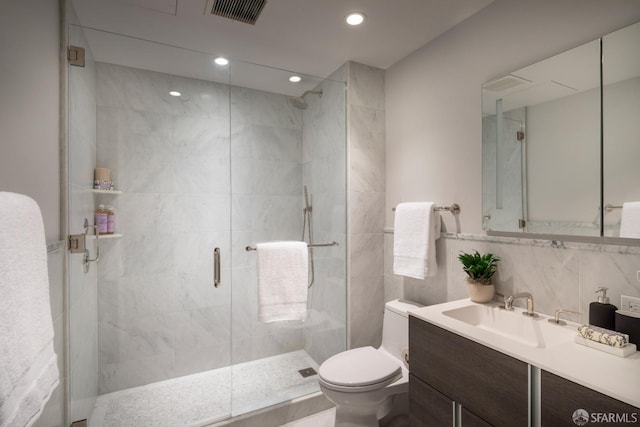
pixel 490 387
pixel 560 398
pixel 428 406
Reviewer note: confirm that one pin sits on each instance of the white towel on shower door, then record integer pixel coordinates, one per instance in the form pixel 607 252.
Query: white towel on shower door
pixel 416 228
pixel 28 363
pixel 282 281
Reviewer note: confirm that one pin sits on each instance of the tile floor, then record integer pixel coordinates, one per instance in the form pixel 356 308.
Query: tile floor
pixel 201 399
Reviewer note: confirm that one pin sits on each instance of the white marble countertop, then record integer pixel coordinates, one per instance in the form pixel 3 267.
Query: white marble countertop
pixel 606 373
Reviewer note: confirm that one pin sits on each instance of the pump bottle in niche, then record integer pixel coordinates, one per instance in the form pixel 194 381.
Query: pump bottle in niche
pixel 111 219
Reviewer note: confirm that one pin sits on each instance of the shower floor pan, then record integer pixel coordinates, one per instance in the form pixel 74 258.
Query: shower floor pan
pixel 202 399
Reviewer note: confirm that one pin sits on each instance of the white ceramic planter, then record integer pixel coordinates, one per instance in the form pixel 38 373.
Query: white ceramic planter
pixel 480 293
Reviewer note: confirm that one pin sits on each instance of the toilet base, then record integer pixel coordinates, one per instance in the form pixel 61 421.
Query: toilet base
pixel 363 415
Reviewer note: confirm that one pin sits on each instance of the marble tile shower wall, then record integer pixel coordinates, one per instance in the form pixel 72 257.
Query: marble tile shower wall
pixel 159 314
pixel 324 174
pixel 557 274
pixel 366 194
pixel 266 164
pixel 83 329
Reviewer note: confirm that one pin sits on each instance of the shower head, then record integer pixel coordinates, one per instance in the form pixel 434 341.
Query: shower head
pixel 299 102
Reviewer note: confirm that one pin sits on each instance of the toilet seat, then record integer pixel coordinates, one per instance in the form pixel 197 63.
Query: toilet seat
pixel 359 370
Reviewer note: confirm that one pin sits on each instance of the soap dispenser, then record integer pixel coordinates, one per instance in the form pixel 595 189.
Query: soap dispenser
pixel 601 312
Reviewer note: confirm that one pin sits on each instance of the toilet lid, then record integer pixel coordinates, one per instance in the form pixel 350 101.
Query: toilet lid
pixel 359 367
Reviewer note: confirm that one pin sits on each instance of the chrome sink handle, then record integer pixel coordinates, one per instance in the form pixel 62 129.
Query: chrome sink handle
pixel 556 320
pixel 508 303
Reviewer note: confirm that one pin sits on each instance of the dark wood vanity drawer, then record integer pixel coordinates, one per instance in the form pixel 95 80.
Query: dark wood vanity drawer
pixel 561 398
pixel 469 419
pixel 486 382
pixel 427 406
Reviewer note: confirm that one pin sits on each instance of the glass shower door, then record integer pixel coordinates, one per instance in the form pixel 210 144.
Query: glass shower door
pixel 149 333
pixel 286 139
pixel 202 157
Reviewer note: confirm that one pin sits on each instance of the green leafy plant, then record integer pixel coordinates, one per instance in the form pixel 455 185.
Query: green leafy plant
pixel 479 268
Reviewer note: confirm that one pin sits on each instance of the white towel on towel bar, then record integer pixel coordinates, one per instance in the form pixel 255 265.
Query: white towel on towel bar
pixel 282 281
pixel 28 364
pixel 416 228
pixel 630 220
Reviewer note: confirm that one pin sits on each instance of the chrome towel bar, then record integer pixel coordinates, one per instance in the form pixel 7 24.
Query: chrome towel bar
pixel 454 208
pixel 317 245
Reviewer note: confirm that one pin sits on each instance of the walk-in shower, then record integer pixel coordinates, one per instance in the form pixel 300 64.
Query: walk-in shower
pixel 226 164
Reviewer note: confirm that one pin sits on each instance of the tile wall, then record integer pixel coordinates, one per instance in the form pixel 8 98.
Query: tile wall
pixel 324 174
pixel 175 160
pixel 558 274
pixel 366 193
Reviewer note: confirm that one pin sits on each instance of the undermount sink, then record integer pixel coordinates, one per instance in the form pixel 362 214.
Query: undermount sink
pixel 532 331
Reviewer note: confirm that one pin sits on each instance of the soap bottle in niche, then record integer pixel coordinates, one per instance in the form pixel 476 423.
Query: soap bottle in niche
pixel 601 312
pixel 102 218
pixel 111 220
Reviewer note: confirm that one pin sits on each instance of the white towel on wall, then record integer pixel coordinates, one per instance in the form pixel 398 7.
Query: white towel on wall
pixel 282 281
pixel 416 229
pixel 630 220
pixel 28 364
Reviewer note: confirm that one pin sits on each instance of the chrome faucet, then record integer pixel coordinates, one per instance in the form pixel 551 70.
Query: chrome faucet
pixel 556 320
pixel 508 303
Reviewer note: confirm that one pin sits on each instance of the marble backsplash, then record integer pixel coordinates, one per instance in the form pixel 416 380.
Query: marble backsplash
pixel 558 274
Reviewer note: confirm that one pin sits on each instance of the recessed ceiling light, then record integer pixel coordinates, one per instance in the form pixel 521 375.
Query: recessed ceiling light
pixel 295 79
pixel 221 61
pixel 355 18
pixel 174 93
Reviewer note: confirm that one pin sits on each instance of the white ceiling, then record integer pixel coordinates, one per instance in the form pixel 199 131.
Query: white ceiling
pixel 306 36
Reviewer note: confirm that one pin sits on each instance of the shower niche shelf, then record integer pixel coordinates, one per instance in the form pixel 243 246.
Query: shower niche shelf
pixel 111 192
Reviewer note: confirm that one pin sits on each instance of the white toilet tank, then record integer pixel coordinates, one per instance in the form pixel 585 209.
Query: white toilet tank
pixel 395 327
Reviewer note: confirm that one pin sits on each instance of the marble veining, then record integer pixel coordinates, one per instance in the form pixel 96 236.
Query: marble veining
pixel 219 158
pixel 366 165
pixel 559 274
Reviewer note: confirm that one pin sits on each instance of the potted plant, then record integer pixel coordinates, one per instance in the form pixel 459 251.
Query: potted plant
pixel 480 269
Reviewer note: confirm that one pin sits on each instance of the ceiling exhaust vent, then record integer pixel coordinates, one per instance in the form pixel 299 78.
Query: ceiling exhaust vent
pixel 246 11
pixel 504 83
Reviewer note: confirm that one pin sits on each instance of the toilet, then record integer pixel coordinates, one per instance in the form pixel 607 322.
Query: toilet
pixel 363 382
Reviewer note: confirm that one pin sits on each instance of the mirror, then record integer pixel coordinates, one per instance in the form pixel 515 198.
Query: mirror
pixel 542 133
pixel 621 130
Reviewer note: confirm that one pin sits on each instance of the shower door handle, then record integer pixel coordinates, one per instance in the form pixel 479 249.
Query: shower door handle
pixel 216 267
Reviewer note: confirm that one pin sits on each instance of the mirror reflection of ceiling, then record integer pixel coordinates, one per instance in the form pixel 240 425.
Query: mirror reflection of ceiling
pixel 566 74
pixel 306 36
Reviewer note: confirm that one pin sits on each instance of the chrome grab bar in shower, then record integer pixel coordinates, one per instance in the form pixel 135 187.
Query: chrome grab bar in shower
pixel 317 245
pixel 216 267
pixel 454 208
pixel 306 229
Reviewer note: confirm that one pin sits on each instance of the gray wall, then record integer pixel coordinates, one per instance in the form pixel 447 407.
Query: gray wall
pixel 433 101
pixel 29 141
pixel 433 147
pixel 29 117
